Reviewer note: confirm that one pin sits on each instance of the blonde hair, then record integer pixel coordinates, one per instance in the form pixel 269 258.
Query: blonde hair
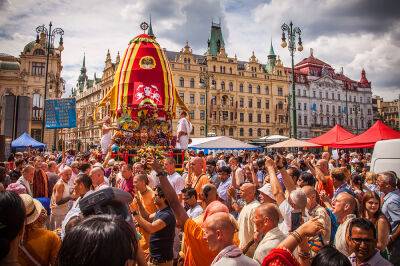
pixel 370 177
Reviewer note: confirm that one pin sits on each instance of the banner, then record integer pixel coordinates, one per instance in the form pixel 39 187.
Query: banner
pixel 60 113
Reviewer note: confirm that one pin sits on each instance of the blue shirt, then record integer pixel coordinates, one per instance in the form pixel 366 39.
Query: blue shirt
pixel 391 208
pixel 223 189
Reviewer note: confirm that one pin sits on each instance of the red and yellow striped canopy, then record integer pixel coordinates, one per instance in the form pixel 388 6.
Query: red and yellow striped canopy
pixel 143 81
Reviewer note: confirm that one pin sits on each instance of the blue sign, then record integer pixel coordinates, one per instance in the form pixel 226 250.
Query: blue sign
pixel 60 113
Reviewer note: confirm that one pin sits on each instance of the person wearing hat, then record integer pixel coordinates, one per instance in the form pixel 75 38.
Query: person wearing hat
pixel 183 130
pixel 39 246
pixel 266 195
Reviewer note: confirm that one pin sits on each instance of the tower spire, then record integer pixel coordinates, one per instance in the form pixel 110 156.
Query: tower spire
pixel 84 57
pixel 150 31
pixel 271 49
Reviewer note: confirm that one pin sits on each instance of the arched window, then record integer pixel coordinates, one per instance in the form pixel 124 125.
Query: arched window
pixel 188 60
pixel 241 132
pixel 192 130
pixel 250 88
pixel 230 131
pixel 222 85
pixel 267 132
pixel 184 61
pixel 230 70
pixel 280 105
pixel 230 86
pixel 280 132
pixel 192 83
pixel 223 131
pixel 202 131
pixel 258 89
pixel 214 83
pixel 214 69
pixel 266 90
pixel 37 106
pixel 250 132
pixel 39 52
pixel 181 82
pixel 241 87
pixel 259 132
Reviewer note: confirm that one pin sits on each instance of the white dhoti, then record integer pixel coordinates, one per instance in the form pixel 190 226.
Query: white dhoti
pixel 183 142
pixel 186 127
pixel 105 142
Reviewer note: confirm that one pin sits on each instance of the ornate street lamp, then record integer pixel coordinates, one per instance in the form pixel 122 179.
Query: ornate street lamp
pixel 291 34
pixel 205 77
pixel 50 36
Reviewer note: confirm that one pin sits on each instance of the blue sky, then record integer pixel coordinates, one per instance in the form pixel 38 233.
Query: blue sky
pixel 352 34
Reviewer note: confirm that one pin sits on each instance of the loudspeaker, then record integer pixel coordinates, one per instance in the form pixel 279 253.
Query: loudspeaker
pixel 23 115
pixel 2 148
pixel 9 115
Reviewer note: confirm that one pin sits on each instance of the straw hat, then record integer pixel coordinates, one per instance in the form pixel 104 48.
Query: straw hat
pixel 33 208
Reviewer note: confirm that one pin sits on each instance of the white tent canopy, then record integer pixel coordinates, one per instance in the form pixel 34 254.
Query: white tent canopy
pixel 274 138
pixel 219 143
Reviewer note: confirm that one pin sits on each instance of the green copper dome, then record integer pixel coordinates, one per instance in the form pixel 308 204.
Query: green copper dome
pixel 7 65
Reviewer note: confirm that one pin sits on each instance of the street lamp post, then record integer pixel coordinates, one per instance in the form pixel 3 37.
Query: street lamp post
pixel 357 108
pixel 50 35
pixel 205 83
pixel 291 34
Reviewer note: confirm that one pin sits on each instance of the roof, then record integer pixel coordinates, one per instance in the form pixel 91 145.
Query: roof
pixel 367 139
pixel 29 46
pixel 216 39
pixel 9 65
pixel 293 143
pixel 311 60
pixel 25 141
pixel 334 135
pixel 220 143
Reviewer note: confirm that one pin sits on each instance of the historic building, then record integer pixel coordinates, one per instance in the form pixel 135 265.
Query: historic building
pixel 388 111
pixel 245 99
pixel 325 98
pixel 25 76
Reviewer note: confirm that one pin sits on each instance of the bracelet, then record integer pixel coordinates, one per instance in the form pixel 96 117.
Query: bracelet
pixel 296 236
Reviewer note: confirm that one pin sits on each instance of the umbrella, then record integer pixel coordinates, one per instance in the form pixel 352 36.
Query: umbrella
pixel 293 143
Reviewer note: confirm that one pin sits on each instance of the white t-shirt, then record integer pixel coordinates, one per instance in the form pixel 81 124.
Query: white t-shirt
pixel 286 211
pixel 196 211
pixel 177 182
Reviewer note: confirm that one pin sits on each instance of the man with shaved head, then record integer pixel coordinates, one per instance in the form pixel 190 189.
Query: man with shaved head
pixel 314 210
pixel 345 210
pixel 197 178
pixel 60 198
pixel 245 219
pixel 26 178
pixel 266 219
pixel 219 229
pixel 321 172
pixel 98 179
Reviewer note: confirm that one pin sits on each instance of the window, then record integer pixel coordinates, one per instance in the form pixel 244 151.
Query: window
pixel 231 85
pixel 326 95
pixel 250 88
pixel 338 96
pixel 202 99
pixel 305 106
pixel 202 115
pixel 38 69
pixel 305 120
pixel 266 90
pixel 231 116
pixel 298 106
pixel 339 109
pixel 182 82
pixel 259 118
pixel 259 103
pixel 241 117
pixel 191 114
pixel 280 92
pixel 231 129
pixel 369 111
pixel 241 87
pixel 333 96
pixel 251 118
pixel 281 119
pixel 214 69
pixel 320 94
pixel 304 93
pixel 327 121
pixel 182 96
pixel 313 94
pixel 298 92
pixel 258 89
pixel 37 106
pixel 230 72
pixel 192 83
pixel 250 132
pixel 223 86
pixel 241 132
pixel 259 132
pixel 266 104
pixel 267 119
pixel 39 52
pixel 241 102
pixel 192 98
pixel 250 105
pixel 223 131
pixel 202 133
pixel 327 109
pixel 299 119
pixel 280 105
pixel 214 84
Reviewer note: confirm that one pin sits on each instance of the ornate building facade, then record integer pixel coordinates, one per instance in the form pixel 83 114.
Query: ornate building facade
pixel 388 111
pixel 326 98
pixel 25 76
pixel 245 99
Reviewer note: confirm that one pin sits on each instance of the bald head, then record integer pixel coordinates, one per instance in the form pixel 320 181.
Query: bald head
pixel 343 205
pixel 197 165
pixel 219 229
pixel 248 192
pixel 271 211
pixel 215 207
pixel 97 176
pixel 323 165
pixel 326 156
pixel 209 192
pixel 66 173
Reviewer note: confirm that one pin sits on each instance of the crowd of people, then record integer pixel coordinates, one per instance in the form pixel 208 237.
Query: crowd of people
pixel 247 208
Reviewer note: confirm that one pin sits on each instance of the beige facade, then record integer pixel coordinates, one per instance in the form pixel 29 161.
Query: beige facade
pixel 389 112
pixel 25 76
pixel 246 99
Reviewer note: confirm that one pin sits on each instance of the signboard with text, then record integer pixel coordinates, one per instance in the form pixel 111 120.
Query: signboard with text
pixel 60 113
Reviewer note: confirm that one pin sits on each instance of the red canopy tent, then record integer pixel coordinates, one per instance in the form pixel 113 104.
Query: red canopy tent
pixel 333 136
pixel 367 139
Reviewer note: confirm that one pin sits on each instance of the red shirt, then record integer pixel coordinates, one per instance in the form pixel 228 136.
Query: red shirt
pixel 327 187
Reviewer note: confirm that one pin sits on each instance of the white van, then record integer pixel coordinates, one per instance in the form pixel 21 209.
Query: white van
pixel 386 156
